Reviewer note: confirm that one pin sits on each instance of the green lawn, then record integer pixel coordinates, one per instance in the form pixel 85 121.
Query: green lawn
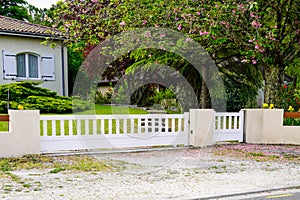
pixel 116 110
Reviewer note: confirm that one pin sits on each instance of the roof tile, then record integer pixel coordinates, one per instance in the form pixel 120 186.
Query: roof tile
pixel 18 26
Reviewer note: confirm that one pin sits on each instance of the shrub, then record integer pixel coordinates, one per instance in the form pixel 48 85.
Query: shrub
pixel 33 97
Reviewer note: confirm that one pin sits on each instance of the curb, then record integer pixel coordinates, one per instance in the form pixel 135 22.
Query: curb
pixel 246 193
pixel 112 151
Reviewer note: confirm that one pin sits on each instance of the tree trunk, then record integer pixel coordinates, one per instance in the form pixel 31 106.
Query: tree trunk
pixel 274 77
pixel 205 98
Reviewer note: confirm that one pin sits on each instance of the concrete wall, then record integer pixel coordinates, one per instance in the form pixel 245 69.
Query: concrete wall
pixel 265 126
pixel 17 44
pixel 23 136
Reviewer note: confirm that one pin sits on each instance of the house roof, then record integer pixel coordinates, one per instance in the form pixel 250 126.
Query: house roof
pixel 10 26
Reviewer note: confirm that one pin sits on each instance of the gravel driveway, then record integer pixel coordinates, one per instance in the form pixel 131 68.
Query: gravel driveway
pixel 168 174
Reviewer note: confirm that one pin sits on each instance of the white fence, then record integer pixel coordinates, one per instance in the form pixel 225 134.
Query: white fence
pixel 229 126
pixel 69 132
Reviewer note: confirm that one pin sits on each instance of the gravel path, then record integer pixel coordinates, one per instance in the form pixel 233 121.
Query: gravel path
pixel 172 174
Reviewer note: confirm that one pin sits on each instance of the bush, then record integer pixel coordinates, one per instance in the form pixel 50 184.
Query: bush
pixel 103 98
pixel 33 97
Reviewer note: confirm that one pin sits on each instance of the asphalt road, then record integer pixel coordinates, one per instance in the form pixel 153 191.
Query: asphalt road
pixel 275 195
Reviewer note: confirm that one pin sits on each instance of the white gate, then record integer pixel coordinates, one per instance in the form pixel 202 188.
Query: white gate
pixel 70 132
pixel 229 126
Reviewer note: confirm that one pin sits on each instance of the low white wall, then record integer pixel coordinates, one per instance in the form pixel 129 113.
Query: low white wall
pixel 23 136
pixel 265 126
pixel 201 127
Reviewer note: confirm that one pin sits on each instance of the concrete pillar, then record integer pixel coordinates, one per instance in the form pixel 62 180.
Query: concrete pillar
pixel 23 136
pixel 201 127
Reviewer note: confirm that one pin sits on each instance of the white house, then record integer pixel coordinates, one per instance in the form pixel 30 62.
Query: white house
pixel 23 57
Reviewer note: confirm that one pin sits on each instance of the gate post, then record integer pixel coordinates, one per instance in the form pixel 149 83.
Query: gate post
pixel 201 127
pixel 23 136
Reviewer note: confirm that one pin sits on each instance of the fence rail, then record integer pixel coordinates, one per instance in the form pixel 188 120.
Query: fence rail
pixel 109 131
pixel 4 118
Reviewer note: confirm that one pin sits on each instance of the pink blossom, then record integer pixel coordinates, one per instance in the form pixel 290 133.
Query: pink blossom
pixel 179 27
pixel 252 40
pixel 252 15
pixel 222 22
pixel 203 33
pixel 233 11
pixel 254 61
pixel 244 61
pixel 256 24
pixel 144 22
pixel 214 37
pixel 259 48
pixel 94 1
pixel 188 39
pixel 162 35
pixel 122 23
pixel 198 13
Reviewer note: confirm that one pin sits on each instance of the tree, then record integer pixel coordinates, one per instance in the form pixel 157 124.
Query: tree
pixel 261 36
pixel 14 9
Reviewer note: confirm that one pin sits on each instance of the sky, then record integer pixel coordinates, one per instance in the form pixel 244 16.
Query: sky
pixel 42 3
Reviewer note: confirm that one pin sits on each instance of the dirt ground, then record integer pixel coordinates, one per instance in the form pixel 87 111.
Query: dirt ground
pixel 168 174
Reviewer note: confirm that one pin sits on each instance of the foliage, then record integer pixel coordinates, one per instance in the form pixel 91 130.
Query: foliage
pixel 263 34
pixel 31 96
pixel 14 9
pixel 291 122
pixel 120 97
pixel 290 98
pixel 103 98
pixel 75 60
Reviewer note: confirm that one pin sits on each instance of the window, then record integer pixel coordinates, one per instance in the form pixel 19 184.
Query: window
pixel 27 66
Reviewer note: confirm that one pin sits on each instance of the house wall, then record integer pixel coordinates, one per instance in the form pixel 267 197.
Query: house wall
pixel 17 44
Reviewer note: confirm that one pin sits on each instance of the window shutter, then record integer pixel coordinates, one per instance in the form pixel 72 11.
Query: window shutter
pixel 48 71
pixel 9 65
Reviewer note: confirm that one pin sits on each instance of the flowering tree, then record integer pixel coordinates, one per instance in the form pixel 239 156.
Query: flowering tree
pixel 253 35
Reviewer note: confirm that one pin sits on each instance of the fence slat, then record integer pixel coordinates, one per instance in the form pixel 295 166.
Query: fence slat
pixel 45 128
pixel 53 128
pixel 62 127
pixel 95 130
pixel 86 127
pixel 117 126
pixel 70 127
pixel 102 126
pixel 78 123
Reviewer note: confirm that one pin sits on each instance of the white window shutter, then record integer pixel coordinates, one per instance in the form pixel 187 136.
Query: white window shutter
pixel 9 65
pixel 48 68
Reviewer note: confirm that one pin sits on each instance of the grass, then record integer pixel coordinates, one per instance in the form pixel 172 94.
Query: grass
pixel 53 164
pixel 113 110
pixel 75 163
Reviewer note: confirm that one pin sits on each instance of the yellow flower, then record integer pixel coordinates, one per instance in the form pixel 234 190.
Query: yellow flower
pixel 271 106
pixel 20 107
pixel 291 109
pixel 265 105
